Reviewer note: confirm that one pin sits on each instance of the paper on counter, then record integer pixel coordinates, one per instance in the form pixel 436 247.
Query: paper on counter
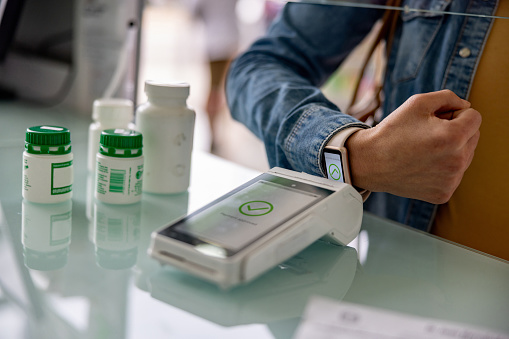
pixel 332 319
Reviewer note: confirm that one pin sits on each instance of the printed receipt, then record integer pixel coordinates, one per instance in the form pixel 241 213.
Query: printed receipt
pixel 332 319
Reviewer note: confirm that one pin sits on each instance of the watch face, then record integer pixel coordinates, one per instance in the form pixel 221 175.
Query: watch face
pixel 334 165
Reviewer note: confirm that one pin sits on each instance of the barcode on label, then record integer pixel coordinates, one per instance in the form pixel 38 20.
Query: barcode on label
pixel 117 180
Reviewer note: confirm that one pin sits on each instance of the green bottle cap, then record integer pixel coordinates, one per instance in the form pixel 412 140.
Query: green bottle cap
pixel 121 143
pixel 48 140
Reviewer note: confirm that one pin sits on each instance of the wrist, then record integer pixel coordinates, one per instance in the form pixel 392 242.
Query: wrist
pixel 362 159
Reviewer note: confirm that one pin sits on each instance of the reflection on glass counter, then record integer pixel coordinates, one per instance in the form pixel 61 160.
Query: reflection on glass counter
pixel 46 234
pixel 55 282
pixel 116 234
pixel 156 211
pixel 278 295
pixel 79 290
pixel 118 231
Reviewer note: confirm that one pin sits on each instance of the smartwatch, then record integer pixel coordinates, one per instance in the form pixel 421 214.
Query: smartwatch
pixel 335 163
pixel 335 160
pixel 335 157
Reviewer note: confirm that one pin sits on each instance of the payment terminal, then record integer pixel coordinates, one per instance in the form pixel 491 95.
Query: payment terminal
pixel 258 225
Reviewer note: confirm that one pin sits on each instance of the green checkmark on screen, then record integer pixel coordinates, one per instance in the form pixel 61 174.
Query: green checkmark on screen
pixel 256 208
pixel 334 172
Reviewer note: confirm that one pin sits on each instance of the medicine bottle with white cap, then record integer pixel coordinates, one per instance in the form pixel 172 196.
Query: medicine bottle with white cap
pixel 107 113
pixel 47 164
pixel 167 125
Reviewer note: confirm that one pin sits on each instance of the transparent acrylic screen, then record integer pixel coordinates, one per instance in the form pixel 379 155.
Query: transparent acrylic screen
pixel 388 5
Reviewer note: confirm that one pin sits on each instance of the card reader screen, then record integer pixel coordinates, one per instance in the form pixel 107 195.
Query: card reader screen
pixel 240 218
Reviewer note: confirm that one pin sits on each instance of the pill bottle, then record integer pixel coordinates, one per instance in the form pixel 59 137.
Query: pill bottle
pixel 47 164
pixel 167 125
pixel 107 113
pixel 119 170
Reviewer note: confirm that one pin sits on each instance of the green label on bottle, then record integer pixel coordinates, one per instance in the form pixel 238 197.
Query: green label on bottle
pixel 61 177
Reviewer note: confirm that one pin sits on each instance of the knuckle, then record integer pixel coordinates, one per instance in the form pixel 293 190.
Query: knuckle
pixel 416 103
pixel 448 92
pixel 462 165
pixel 456 136
pixel 443 194
pixel 477 118
pixel 457 164
pixel 416 100
pixel 454 166
pixel 441 140
pixel 442 198
pixel 417 96
pixel 475 138
pixel 452 140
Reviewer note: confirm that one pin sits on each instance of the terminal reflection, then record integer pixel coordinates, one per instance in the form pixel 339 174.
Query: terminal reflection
pixel 276 298
pixel 89 296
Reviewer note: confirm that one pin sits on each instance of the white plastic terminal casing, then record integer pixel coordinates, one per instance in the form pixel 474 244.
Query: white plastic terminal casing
pixel 337 218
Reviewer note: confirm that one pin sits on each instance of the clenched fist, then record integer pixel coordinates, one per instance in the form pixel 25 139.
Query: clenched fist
pixel 420 151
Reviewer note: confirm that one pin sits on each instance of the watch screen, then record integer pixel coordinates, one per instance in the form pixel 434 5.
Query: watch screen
pixel 334 165
pixel 238 219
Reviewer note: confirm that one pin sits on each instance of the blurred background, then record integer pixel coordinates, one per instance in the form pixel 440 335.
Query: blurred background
pixel 192 41
pixel 62 55
pixel 176 39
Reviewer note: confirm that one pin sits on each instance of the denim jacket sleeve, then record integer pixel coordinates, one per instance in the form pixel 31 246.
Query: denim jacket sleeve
pixel 273 88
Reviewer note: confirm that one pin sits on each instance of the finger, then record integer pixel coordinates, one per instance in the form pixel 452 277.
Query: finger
pixel 468 116
pixel 463 126
pixel 445 115
pixel 444 101
pixel 449 115
pixel 471 146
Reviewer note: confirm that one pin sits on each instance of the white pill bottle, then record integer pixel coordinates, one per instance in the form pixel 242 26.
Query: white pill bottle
pixel 119 173
pixel 47 165
pixel 167 125
pixel 107 113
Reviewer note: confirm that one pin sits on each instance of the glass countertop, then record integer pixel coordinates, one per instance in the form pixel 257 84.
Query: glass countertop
pixel 80 269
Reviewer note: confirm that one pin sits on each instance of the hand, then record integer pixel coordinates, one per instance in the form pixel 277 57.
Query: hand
pixel 420 151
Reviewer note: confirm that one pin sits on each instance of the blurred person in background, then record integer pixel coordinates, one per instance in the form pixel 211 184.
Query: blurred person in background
pixel 221 43
pixel 419 160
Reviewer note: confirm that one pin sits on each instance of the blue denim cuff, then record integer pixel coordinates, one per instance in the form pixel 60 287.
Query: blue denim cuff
pixel 314 128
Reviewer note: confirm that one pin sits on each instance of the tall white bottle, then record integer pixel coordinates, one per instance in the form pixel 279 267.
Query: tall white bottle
pixel 107 113
pixel 167 125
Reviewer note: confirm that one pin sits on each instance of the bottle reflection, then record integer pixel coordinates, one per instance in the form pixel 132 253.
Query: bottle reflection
pixel 46 234
pixel 276 297
pixel 157 211
pixel 116 234
pixel 89 208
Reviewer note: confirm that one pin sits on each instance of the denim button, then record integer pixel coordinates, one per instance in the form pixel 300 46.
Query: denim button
pixel 465 52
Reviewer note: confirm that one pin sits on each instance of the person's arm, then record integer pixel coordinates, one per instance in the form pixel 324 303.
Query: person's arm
pixel 273 88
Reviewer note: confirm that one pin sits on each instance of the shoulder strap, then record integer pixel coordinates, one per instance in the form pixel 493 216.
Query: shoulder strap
pixel 362 110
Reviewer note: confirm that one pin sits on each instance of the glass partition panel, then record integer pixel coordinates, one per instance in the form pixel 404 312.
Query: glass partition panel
pixel 429 7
